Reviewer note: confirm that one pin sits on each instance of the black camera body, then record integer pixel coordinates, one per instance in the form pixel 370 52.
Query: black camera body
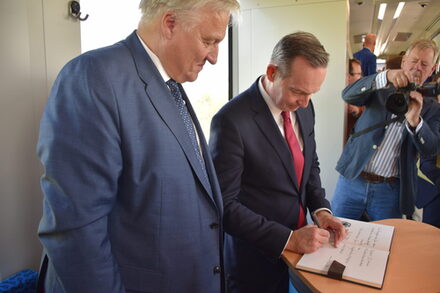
pixel 397 102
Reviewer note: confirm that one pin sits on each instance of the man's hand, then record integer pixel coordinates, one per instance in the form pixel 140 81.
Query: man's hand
pixel 399 78
pixel 414 108
pixel 308 239
pixel 325 220
pixel 356 111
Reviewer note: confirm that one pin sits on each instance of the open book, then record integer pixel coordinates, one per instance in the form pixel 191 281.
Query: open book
pixel 362 257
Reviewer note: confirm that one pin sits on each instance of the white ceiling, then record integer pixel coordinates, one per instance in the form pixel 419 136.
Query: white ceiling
pixel 415 20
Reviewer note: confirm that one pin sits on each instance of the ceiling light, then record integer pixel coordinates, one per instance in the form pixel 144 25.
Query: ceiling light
pixel 398 10
pixel 382 8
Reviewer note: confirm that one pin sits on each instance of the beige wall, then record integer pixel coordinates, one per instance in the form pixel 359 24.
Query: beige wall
pixel 263 24
pixel 37 38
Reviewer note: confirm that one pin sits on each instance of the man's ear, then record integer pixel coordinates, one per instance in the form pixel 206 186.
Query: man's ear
pixel 271 71
pixel 168 24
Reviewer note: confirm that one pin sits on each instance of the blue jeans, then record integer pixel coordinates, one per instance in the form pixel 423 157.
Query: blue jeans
pixel 353 197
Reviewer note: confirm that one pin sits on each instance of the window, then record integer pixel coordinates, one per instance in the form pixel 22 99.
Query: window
pixel 120 17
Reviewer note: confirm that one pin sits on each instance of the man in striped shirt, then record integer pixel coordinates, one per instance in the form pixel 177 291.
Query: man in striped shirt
pixel 378 168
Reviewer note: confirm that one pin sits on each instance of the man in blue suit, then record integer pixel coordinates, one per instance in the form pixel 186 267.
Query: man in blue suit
pixel 428 195
pixel 378 169
pixel 131 198
pixel 366 55
pixel 268 181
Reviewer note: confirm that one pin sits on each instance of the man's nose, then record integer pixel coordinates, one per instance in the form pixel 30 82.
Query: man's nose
pixel 212 54
pixel 304 102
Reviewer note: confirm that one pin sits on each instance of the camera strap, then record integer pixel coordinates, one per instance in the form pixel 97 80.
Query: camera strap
pixel 378 125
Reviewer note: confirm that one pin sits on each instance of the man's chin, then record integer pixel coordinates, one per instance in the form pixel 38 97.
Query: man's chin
pixel 192 77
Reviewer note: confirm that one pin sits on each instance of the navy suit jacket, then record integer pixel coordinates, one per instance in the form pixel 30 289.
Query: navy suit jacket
pixel 428 196
pixel 358 151
pixel 259 186
pixel 368 61
pixel 429 168
pixel 127 207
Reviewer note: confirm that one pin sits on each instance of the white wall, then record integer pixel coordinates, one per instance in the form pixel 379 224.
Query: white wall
pixel 263 24
pixel 37 38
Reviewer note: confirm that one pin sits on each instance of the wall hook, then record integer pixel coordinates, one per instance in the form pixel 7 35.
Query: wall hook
pixel 75 10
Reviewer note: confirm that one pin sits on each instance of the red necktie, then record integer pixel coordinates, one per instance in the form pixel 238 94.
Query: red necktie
pixel 298 158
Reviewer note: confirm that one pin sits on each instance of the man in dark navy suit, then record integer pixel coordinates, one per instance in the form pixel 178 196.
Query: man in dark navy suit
pixel 263 146
pixel 428 194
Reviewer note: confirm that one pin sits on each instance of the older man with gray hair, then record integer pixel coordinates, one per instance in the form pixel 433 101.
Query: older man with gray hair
pixel 131 198
pixel 378 168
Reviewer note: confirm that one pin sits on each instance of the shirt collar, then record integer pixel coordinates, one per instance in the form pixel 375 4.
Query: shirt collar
pixel 155 60
pixel 270 103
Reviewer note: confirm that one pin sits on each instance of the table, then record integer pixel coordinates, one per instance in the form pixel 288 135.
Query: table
pixel 413 265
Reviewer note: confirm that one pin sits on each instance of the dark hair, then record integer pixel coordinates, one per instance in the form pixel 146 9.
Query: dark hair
pixel 394 62
pixel 298 44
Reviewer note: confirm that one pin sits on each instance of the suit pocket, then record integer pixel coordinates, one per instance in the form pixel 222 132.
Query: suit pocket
pixel 137 279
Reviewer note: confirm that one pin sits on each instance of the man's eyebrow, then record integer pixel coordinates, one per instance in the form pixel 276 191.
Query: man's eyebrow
pixel 299 91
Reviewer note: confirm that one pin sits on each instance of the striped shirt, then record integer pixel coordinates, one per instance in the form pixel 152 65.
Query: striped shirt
pixel 385 161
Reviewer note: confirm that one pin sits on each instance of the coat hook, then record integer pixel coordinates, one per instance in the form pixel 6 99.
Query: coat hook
pixel 75 10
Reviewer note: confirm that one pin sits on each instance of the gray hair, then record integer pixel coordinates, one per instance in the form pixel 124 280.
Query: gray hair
pixel 425 44
pixel 186 9
pixel 298 44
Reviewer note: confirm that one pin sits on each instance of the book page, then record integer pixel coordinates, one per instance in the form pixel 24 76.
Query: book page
pixel 368 234
pixel 362 265
pixel 364 253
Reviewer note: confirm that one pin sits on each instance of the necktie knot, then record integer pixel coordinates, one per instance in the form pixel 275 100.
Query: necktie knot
pixel 286 116
pixel 174 87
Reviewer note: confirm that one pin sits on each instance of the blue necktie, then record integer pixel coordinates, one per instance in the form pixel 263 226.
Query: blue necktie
pixel 183 111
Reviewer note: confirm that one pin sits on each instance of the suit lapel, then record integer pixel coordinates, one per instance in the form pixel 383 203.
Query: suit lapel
pixel 264 119
pixel 163 102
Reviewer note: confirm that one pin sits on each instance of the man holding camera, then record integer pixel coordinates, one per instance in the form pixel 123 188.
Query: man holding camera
pixel 378 168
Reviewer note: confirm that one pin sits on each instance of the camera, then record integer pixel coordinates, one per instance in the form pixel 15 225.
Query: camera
pixel 397 102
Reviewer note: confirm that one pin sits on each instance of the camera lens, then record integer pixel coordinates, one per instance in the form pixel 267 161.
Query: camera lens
pixel 397 103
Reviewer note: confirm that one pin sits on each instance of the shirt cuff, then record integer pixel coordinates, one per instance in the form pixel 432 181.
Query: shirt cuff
pixel 285 245
pixel 381 79
pixel 318 210
pixel 411 129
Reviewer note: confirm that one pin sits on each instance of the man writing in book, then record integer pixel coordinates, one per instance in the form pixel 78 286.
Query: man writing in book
pixel 264 152
pixel 378 169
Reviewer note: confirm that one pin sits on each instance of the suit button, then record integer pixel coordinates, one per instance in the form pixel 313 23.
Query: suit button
pixel 374 147
pixel 217 270
pixel 213 226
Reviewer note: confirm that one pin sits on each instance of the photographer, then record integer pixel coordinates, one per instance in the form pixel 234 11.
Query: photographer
pixel 378 168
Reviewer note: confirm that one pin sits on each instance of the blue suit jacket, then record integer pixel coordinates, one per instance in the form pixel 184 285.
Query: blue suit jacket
pixel 429 168
pixel 126 204
pixel 368 61
pixel 259 187
pixel 358 151
pixel 428 196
